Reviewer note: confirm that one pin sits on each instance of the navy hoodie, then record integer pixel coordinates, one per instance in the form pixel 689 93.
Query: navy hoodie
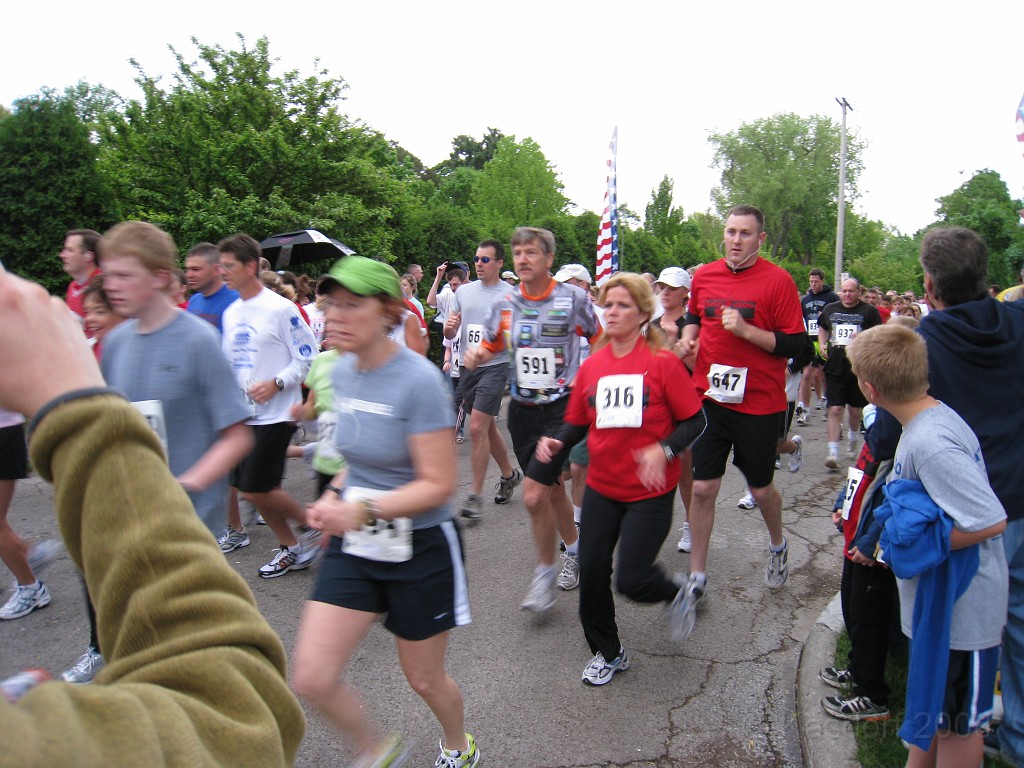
pixel 976 367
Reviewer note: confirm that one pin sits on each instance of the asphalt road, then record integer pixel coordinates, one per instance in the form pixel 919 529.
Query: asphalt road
pixel 726 697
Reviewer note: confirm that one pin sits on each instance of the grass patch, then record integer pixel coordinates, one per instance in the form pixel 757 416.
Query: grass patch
pixel 878 744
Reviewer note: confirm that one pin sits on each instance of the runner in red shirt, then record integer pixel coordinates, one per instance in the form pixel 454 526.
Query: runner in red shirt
pixel 79 259
pixel 744 321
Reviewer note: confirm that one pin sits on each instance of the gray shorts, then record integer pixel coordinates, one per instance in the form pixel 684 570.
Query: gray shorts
pixel 482 389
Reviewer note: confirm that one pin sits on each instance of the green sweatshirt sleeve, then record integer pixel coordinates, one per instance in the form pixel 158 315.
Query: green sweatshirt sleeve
pixel 195 676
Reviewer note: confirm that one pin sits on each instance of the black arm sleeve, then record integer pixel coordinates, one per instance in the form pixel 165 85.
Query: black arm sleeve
pixel 792 344
pixel 686 432
pixel 692 319
pixel 570 434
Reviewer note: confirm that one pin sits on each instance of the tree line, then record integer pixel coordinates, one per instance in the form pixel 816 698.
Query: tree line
pixel 229 143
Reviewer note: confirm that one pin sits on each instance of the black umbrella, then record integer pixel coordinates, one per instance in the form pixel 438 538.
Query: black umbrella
pixel 291 248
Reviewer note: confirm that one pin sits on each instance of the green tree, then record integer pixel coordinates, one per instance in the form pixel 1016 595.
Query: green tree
pixel 788 166
pixel 467 152
pixel 232 146
pixel 49 183
pixel 893 266
pixel 518 187
pixel 983 203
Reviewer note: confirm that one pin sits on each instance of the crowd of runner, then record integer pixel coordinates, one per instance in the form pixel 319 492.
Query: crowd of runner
pixel 618 397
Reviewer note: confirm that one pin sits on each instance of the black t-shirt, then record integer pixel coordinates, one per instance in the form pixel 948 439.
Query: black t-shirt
pixel 843 323
pixel 812 304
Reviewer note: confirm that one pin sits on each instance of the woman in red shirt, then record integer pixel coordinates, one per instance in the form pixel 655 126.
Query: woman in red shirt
pixel 635 398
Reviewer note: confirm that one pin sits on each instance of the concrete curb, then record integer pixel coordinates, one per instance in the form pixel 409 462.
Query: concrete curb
pixel 827 742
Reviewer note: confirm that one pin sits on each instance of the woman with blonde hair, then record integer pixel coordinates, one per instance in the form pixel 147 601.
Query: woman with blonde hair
pixel 636 400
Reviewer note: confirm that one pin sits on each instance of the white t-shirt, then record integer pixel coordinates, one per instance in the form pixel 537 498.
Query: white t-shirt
pixel 265 338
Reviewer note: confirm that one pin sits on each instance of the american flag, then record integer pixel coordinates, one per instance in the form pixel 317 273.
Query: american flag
pixel 1020 124
pixel 608 237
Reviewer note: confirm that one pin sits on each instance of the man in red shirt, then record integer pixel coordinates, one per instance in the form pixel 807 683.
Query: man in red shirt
pixel 744 321
pixel 79 259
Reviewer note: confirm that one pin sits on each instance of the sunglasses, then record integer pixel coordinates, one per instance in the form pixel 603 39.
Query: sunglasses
pixel 482 259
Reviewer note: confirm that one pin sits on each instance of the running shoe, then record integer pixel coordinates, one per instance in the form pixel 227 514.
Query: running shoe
pixel 599 671
pixel 855 708
pixel 778 461
pixel 837 678
pixel 233 539
pixel 471 507
pixel 851 443
pixel 394 754
pixel 681 613
pixel 25 600
pixel 460 439
pixel 42 554
pixel 541 596
pixel 777 570
pixel 467 758
pixel 569 576
pixel 832 460
pixel 747 501
pixel 85 669
pixel 796 458
pixel 822 404
pixel 506 486
pixel 685 544
pixel 285 560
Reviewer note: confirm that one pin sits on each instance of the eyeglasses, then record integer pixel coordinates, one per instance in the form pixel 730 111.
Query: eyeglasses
pixel 482 259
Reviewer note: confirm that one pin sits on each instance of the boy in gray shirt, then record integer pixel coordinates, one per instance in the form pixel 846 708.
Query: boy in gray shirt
pixel 960 588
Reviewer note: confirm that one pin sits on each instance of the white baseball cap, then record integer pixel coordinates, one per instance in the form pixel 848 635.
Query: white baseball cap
pixel 569 271
pixel 509 274
pixel 674 277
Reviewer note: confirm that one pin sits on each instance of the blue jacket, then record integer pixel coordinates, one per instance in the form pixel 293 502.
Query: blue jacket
pixel 915 543
pixel 976 367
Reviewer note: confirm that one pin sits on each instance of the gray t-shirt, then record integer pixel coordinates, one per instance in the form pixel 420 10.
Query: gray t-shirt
pixel 379 410
pixel 182 366
pixel 475 301
pixel 940 450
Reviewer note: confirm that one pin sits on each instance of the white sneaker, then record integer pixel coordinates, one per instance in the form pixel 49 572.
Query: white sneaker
pixel 796 458
pixel 599 671
pixel 85 669
pixel 41 555
pixel 25 600
pixel 569 577
pixel 681 613
pixel 851 444
pixel 541 596
pixel 685 544
pixel 747 501
pixel 832 460
pixel 777 570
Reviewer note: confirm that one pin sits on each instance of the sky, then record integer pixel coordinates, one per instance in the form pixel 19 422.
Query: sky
pixel 933 92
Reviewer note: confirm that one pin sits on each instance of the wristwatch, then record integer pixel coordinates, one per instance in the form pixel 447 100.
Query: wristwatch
pixel 279 383
pixel 669 453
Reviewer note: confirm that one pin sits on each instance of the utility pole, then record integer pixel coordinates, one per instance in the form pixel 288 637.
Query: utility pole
pixel 841 218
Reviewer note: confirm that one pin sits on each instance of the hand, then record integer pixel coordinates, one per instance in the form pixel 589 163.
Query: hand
pixel 332 515
pixel 547 448
pixel 733 322
pixel 650 466
pixel 471 358
pixel 837 516
pixel 297 411
pixel 451 324
pixel 442 268
pixel 447 366
pixel 42 322
pixel 262 391
pixel 859 557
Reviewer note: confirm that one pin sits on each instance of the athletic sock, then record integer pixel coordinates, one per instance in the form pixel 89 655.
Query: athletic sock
pixel 833 447
pixel 577 514
pixel 775 550
pixel 573 549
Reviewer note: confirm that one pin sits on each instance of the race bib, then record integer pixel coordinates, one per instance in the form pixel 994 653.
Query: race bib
pixel 535 368
pixel 812 327
pixel 726 384
pixel 474 335
pixel 853 480
pixel 844 333
pixel 325 447
pixel 387 541
pixel 153 412
pixel 619 401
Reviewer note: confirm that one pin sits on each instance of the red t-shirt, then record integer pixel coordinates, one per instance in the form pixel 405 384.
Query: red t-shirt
pixel 74 295
pixel 667 400
pixel 767 297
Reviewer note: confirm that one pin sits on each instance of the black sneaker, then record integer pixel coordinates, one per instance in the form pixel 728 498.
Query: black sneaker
pixel 506 486
pixel 837 678
pixel 855 708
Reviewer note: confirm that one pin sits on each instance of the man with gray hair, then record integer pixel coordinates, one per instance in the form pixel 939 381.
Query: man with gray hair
pixel 975 355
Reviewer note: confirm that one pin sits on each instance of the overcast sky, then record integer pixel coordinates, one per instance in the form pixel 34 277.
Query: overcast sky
pixel 934 92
